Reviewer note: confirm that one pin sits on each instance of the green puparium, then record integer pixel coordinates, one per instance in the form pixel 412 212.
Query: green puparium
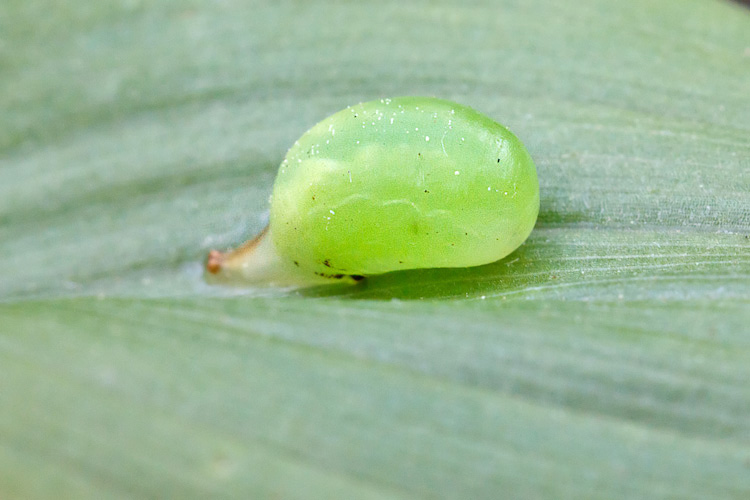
pixel 396 184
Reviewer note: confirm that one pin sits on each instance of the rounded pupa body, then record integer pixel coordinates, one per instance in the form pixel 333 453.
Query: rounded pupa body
pixel 403 183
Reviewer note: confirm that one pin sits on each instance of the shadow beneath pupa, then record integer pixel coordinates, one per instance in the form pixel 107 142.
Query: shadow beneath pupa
pixel 518 270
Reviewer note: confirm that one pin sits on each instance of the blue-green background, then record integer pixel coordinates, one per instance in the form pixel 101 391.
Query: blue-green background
pixel 608 358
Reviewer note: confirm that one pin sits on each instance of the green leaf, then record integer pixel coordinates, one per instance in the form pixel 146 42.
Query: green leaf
pixel 609 357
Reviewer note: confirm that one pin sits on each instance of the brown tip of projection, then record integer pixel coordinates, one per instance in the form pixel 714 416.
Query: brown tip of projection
pixel 214 262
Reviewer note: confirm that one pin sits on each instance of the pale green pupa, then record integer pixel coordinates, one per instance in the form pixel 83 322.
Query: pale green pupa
pixel 388 185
